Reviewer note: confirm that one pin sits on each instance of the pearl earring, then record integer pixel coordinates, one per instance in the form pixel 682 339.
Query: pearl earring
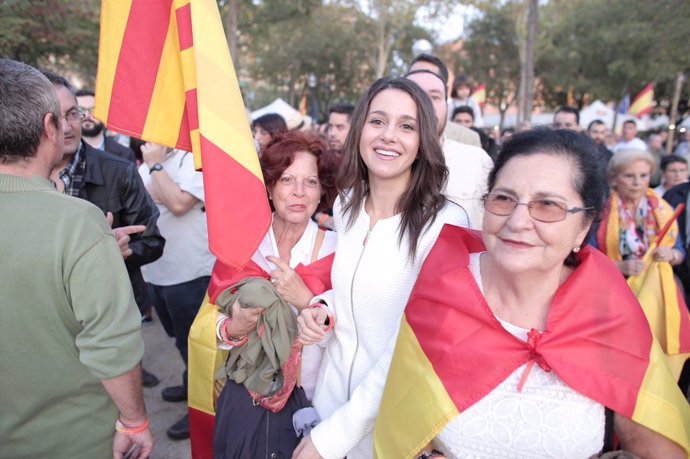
pixel 576 248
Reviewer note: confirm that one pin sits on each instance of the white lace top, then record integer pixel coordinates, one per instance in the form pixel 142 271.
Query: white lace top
pixel 546 419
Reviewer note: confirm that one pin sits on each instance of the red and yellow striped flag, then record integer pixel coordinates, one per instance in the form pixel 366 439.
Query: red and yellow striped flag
pixel 479 95
pixel 643 103
pixel 165 75
pixel 451 351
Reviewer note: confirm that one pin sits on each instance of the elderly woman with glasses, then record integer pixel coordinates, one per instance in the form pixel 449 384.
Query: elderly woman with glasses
pixel 527 343
pixel 633 218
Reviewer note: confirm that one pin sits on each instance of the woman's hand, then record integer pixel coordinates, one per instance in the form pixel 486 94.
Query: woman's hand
pixel 630 267
pixel 311 325
pixel 667 254
pixel 243 320
pixel 306 450
pixel 288 283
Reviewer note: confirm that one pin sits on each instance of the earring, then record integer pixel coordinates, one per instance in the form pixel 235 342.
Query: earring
pixel 576 248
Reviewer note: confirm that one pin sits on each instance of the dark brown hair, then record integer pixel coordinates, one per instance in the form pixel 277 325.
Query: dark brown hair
pixel 423 199
pixel 280 153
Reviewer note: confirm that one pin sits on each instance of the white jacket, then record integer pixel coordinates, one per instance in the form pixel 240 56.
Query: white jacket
pixel 371 286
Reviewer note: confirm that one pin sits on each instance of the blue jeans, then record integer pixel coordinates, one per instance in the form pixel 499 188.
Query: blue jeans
pixel 176 307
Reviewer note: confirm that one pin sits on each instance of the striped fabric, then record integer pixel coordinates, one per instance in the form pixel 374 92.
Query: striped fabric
pixel 165 75
pixel 643 103
pixel 451 351
pixel 479 94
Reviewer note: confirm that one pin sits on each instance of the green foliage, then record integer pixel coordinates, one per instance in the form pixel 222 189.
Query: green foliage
pixel 603 48
pixel 491 53
pixel 61 34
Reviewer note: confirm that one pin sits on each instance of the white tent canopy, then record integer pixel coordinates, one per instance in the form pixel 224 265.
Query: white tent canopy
pixel 278 106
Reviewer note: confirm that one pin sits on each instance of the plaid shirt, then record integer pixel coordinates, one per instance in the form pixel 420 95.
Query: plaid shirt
pixel 73 175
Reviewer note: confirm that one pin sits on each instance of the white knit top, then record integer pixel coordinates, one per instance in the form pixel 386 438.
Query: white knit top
pixel 371 285
pixel 546 419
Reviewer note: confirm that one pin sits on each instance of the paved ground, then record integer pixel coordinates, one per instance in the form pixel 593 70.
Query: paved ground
pixel 163 360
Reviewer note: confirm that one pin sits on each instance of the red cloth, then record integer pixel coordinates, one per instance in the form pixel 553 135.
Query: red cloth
pixel 597 339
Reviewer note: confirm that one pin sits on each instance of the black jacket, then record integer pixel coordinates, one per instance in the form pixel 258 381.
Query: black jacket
pixel 113 184
pixel 676 196
pixel 111 146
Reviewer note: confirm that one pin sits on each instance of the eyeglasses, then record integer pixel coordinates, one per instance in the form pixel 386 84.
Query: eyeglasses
pixel 73 115
pixel 543 210
pixel 86 110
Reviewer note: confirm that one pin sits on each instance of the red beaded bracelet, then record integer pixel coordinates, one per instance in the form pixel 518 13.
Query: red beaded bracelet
pixel 330 321
pixel 229 340
pixel 131 430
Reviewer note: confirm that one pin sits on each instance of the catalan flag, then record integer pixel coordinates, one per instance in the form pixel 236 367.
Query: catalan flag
pixel 643 103
pixel 479 95
pixel 451 350
pixel 165 75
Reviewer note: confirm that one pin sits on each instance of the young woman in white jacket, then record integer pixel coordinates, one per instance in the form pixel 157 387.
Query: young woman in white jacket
pixel 388 214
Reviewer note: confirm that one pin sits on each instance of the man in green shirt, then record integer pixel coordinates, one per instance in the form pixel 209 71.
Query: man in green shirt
pixel 69 328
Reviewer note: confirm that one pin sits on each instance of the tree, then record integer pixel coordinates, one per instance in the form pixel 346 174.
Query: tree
pixel 61 34
pixel 491 54
pixel 603 49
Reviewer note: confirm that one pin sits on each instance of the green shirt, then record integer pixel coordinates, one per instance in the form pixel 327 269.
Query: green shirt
pixel 67 320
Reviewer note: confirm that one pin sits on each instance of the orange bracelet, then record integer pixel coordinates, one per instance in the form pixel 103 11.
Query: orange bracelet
pixel 131 430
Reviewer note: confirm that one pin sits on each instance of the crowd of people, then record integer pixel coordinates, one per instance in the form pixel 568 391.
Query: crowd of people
pixel 424 290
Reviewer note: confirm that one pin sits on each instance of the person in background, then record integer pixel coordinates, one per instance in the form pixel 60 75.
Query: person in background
pixel 630 141
pixel 567 118
pixel 69 327
pixel 464 116
pixel 388 213
pixel 267 126
pixel 525 342
pixel 177 281
pixel 633 217
pixel 339 119
pixel 461 96
pixel 674 171
pixel 597 131
pixel 93 131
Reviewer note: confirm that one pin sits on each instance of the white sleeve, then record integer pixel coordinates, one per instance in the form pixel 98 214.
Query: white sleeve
pixel 190 180
pixel 336 436
pixel 328 298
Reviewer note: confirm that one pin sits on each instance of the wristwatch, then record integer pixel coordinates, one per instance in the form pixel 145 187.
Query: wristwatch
pixel 156 167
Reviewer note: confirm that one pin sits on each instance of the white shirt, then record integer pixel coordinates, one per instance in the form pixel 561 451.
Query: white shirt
pixel 371 285
pixel 186 255
pixel 546 419
pixel 468 170
pixel 634 144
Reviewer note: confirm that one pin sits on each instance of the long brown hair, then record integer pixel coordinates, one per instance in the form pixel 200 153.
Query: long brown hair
pixel 423 199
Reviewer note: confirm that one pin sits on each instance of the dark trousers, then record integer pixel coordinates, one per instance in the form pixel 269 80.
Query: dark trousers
pixel 176 307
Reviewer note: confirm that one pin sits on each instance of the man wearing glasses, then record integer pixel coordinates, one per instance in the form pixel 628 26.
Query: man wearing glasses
pixel 112 184
pixel 93 131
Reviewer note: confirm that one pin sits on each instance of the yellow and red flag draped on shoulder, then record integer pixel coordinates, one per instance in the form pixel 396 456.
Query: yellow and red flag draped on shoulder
pixel 165 75
pixel 655 288
pixel 451 351
pixel 643 103
pixel 204 356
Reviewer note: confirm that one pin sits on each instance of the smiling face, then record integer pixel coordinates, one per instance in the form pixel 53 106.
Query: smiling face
pixel 72 129
pixel 297 192
pixel 517 242
pixel 632 181
pixel 389 142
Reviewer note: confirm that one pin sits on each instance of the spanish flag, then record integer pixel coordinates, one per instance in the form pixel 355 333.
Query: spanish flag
pixel 165 75
pixel 452 352
pixel 643 103
pixel 205 359
pixel 479 95
pixel 655 287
